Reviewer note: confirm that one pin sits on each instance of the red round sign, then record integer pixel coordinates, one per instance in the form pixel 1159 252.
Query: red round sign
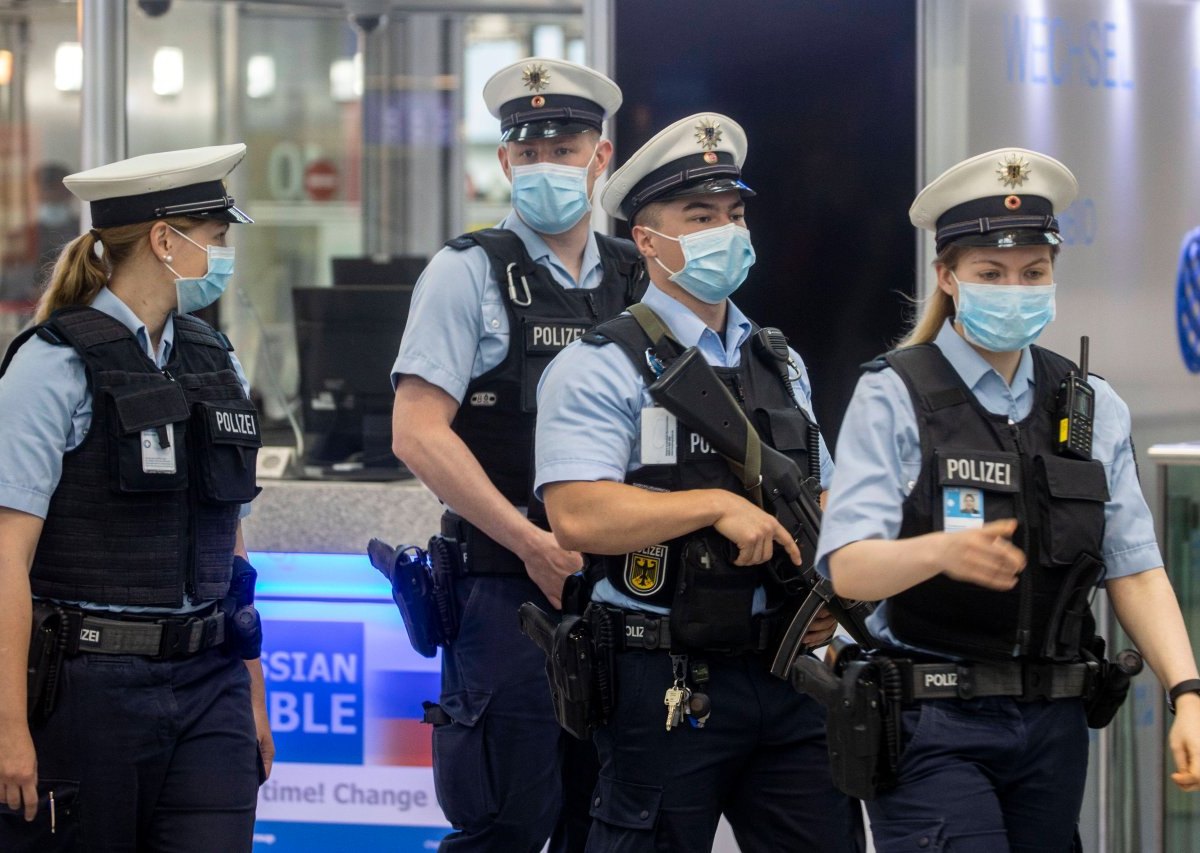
pixel 321 180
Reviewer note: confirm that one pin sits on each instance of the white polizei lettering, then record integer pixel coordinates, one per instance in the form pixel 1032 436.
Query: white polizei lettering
pixel 89 635
pixel 635 631
pixel 238 422
pixel 555 336
pixel 941 679
pixel 699 444
pixel 979 471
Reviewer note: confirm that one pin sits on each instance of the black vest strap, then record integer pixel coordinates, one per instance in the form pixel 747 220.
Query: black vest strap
pixel 16 344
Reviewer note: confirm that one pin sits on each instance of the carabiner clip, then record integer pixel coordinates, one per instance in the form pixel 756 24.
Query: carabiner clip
pixel 512 288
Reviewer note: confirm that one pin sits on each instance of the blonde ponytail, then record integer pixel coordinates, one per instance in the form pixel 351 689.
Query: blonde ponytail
pixel 79 273
pixel 77 277
pixel 937 306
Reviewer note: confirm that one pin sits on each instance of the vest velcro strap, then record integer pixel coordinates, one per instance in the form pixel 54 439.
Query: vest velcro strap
pixel 1025 680
pixel 159 639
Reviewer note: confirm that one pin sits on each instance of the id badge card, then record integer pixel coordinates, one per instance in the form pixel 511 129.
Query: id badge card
pixel 660 437
pixel 157 459
pixel 962 508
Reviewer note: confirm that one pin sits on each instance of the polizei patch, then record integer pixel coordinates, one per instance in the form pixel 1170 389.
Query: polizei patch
pixel 645 569
pixel 233 425
pixel 994 472
pixel 547 337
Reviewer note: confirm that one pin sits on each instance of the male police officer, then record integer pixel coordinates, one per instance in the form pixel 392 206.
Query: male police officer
pixel 623 478
pixel 488 314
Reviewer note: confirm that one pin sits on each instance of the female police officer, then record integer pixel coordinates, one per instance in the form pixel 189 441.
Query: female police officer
pixel 127 449
pixel 992 606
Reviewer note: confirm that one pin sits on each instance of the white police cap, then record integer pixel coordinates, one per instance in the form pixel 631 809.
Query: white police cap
pixel 538 97
pixel 1007 197
pixel 702 153
pixel 168 183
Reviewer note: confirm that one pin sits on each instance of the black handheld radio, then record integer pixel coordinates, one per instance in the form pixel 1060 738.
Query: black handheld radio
pixel 1076 404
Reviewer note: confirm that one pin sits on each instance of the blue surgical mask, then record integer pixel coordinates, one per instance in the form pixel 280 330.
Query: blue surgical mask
pixel 715 261
pixel 193 294
pixel 1004 317
pixel 549 197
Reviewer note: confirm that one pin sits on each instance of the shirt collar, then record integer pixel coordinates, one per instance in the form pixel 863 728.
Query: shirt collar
pixel 539 251
pixel 689 328
pixel 111 304
pixel 973 367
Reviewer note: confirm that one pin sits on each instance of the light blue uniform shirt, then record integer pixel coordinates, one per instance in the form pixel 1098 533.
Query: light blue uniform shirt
pixel 879 449
pixel 46 409
pixel 457 324
pixel 590 401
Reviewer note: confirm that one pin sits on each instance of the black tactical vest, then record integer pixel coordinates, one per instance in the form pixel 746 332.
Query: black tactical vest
pixel 1058 502
pixel 650 575
pixel 134 520
pixel 497 415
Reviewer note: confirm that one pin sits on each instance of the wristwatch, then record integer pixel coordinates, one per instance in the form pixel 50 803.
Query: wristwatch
pixel 1191 685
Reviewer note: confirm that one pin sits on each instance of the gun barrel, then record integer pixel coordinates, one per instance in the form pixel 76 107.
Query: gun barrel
pixel 537 625
pixel 382 557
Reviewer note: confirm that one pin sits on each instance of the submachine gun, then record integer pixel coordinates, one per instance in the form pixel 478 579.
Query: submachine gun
pixel 691 390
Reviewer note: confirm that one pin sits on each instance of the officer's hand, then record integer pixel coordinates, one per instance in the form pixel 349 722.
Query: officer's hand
pixel 985 556
pixel 821 629
pixel 549 566
pixel 1185 742
pixel 753 531
pixel 18 768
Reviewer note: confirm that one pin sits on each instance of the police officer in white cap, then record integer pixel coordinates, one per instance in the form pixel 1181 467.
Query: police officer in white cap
pixel 684 553
pixel 127 446
pixel 991 607
pixel 488 314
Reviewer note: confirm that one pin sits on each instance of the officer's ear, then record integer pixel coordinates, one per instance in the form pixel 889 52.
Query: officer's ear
pixel 502 154
pixel 641 238
pixel 159 239
pixel 604 152
pixel 945 281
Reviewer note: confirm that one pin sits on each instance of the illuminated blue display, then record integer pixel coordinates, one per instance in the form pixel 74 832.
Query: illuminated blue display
pixel 318 577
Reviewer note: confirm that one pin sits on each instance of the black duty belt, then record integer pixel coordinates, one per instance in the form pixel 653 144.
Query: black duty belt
pixel 160 638
pixel 481 555
pixel 633 629
pixel 1025 680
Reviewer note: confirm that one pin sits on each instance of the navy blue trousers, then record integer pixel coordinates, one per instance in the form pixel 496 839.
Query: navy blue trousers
pixel 503 767
pixel 144 756
pixel 761 760
pixel 986 776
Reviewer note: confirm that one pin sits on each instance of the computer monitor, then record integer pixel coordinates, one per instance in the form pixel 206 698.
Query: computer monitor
pixel 378 270
pixel 347 339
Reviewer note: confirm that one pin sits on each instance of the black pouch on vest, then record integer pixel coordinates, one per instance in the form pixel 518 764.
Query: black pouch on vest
pixel 1073 517
pixel 226 464
pixel 711 607
pixel 47 644
pixel 142 463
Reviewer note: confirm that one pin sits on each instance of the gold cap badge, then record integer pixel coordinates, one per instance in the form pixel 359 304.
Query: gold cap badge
pixel 535 77
pixel 1013 171
pixel 708 134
